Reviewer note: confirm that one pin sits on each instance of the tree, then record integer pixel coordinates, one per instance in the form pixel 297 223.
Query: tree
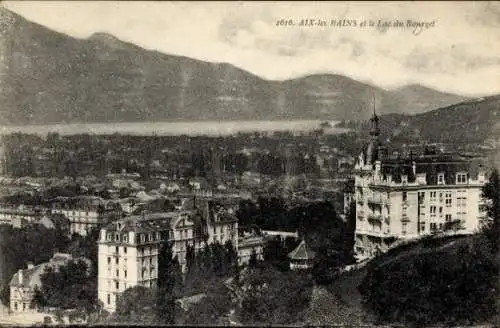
pixel 136 305
pixel 448 286
pixel 273 297
pixel 169 284
pixel 491 192
pixel 68 287
pixel 252 262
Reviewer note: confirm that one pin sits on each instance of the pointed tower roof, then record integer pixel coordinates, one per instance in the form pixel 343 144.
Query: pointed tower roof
pixel 302 252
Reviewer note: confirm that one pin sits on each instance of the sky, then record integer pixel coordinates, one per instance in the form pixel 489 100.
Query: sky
pixel 456 50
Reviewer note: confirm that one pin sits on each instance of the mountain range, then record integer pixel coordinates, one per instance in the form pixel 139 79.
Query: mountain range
pixel 48 77
pixel 473 122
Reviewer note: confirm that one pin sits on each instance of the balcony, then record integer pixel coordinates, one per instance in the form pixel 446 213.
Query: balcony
pixel 376 218
pixel 405 218
pixel 377 200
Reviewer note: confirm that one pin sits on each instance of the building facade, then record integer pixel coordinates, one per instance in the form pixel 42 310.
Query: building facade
pixel 128 249
pixel 20 215
pixel 407 197
pixel 86 213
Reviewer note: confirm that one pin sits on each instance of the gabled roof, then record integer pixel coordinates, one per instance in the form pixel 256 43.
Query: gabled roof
pixel 302 252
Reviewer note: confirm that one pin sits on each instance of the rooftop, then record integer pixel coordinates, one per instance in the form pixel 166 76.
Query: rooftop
pixel 302 252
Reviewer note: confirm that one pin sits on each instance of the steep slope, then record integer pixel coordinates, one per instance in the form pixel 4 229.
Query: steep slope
pixel 472 121
pixel 417 99
pixel 49 77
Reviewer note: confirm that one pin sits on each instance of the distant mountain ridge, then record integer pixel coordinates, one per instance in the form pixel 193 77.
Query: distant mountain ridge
pixel 475 121
pixel 48 77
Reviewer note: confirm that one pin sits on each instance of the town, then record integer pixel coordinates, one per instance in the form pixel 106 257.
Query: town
pixel 233 164
pixel 169 214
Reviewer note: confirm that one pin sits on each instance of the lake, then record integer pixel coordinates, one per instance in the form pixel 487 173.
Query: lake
pixel 209 128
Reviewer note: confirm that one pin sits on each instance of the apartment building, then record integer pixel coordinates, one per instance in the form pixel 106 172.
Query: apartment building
pixel 128 248
pixel 20 215
pixel 86 212
pixel 407 197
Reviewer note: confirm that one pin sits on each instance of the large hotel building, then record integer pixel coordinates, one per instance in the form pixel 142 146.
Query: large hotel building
pixel 128 249
pixel 406 197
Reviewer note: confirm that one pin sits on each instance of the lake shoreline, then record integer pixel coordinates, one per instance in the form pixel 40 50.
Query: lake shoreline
pixel 191 128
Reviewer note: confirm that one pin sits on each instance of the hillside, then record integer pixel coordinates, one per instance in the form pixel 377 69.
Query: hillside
pixel 49 77
pixel 341 303
pixel 473 121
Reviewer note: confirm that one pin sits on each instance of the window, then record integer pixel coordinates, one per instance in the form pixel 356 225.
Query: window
pixel 142 251
pixel 447 199
pixel 441 178
pixel 150 237
pixel 405 196
pixel 125 273
pixel 150 250
pixel 143 261
pixel 125 238
pixel 461 178
pixel 109 260
pixel 117 261
pixel 143 238
pixel 125 250
pixel 404 179
pixel 433 195
pixel 433 210
pixel 117 285
pixel 421 198
pixel 440 210
pixel 433 227
pixel 422 226
pixel 117 249
pixel 150 261
pixel 117 273
pixel 448 217
pixel 403 228
pixel 109 299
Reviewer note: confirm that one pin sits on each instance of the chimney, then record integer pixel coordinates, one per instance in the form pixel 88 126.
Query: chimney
pixel 20 276
pixel 414 168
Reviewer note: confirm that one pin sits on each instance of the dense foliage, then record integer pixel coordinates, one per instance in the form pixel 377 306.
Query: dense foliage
pixel 273 297
pixel 18 246
pixel 68 287
pixel 451 286
pixel 212 261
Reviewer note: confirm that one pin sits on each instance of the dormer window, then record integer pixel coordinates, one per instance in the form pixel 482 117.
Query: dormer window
pixel 143 238
pixel 440 178
pixel 461 178
pixel 404 179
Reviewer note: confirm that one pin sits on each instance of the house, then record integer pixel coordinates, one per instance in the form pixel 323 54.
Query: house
pixel 248 245
pixel 25 281
pixel 302 257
